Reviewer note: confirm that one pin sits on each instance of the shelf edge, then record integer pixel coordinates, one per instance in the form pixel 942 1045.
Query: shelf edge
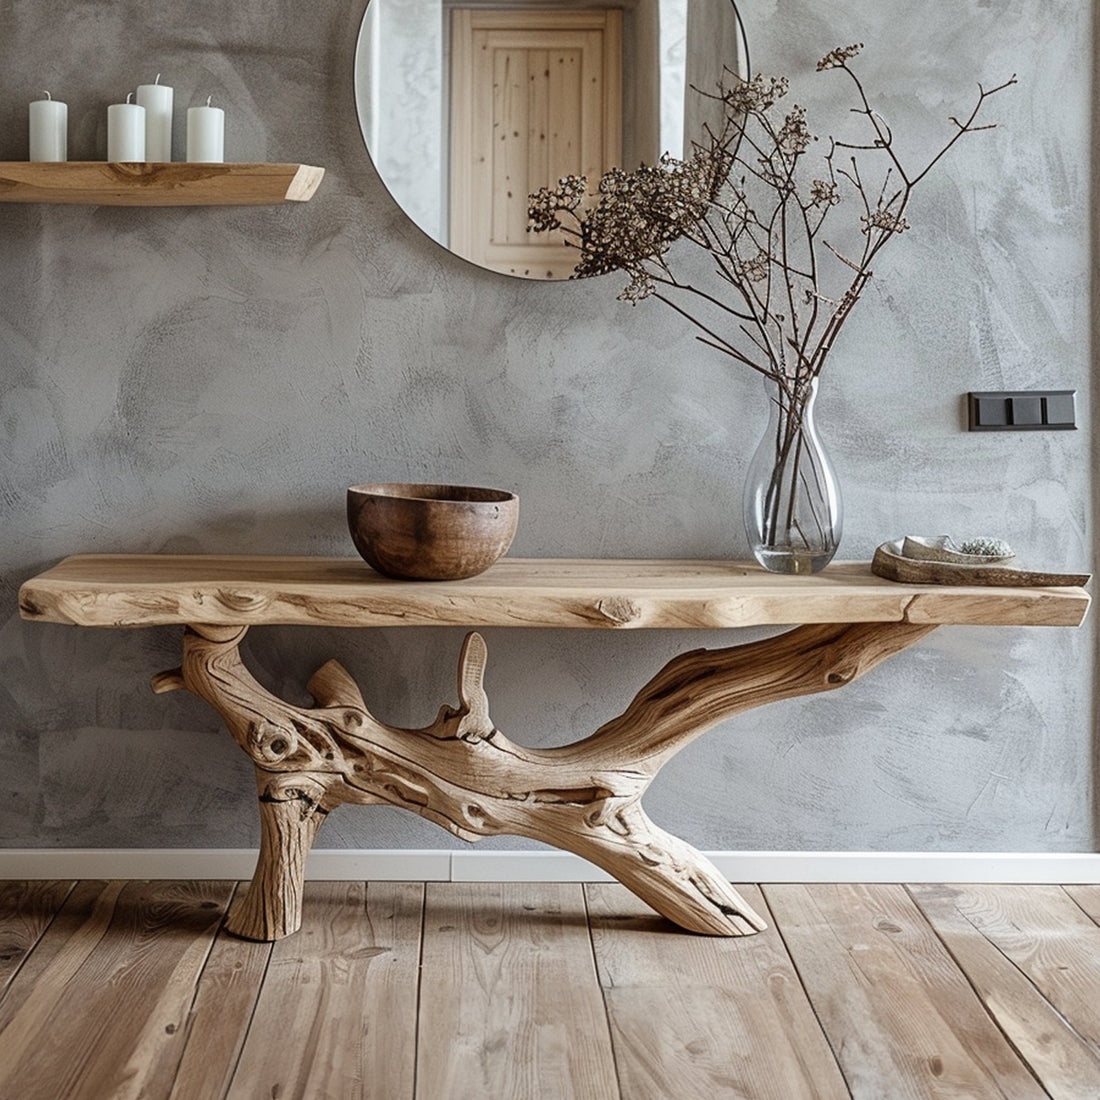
pixel 101 183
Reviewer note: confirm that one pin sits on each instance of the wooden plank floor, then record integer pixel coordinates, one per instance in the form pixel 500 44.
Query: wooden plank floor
pixel 400 991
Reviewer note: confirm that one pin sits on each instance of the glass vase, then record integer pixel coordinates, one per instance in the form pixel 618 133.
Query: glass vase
pixel 791 502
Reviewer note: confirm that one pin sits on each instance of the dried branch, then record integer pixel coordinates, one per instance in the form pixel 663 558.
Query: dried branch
pixel 745 197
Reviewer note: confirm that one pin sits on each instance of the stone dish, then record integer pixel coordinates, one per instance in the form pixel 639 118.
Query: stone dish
pixel 890 562
pixel 431 532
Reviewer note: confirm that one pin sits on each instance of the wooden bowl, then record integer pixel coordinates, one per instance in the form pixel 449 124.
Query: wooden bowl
pixel 431 532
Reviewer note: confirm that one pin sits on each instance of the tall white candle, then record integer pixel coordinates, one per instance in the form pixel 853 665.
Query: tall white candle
pixel 49 129
pixel 156 98
pixel 125 132
pixel 206 134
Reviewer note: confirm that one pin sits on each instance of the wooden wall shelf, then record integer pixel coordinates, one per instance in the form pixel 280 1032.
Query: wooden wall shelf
pixel 99 183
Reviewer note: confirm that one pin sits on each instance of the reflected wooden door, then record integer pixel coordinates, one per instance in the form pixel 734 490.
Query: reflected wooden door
pixel 534 96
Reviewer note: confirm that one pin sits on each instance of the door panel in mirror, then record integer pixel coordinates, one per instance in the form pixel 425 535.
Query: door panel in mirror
pixel 534 96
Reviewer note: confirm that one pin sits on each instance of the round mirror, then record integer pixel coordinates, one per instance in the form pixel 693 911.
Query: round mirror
pixel 468 109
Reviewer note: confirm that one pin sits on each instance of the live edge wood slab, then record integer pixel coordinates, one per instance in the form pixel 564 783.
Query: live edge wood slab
pixel 101 183
pixel 463 773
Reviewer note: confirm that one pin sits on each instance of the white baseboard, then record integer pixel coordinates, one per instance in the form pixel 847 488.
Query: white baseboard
pixel 549 866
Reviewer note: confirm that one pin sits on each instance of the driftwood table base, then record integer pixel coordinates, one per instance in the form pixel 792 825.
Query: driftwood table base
pixel 464 774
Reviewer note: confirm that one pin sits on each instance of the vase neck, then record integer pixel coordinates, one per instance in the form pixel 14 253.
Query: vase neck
pixel 794 402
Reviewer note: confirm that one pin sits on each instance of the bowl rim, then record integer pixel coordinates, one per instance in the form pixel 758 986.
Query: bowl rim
pixel 431 492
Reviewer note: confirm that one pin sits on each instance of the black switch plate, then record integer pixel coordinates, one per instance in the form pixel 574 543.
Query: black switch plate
pixel 1022 411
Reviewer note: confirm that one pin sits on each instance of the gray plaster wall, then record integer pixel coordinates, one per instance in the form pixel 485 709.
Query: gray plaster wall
pixel 210 380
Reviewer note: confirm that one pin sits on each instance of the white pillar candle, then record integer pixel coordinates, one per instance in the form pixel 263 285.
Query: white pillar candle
pixel 49 129
pixel 206 134
pixel 125 132
pixel 156 98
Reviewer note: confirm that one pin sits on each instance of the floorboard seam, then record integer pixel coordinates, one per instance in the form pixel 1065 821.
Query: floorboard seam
pixel 1069 895
pixel 73 883
pixel 603 991
pixel 763 887
pixel 974 989
pixel 189 1022
pixel 419 984
pixel 231 1076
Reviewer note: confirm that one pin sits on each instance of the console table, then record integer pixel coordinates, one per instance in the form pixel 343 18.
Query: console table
pixel 463 773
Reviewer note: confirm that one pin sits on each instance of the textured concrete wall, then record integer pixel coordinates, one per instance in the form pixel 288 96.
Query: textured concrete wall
pixel 212 379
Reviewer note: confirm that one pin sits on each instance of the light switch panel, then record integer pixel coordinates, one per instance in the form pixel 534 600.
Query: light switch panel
pixel 1022 411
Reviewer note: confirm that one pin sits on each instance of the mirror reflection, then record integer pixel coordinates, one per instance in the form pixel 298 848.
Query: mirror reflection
pixel 467 108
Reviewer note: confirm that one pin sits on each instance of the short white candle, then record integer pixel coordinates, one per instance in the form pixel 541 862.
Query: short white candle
pixel 125 132
pixel 156 98
pixel 49 129
pixel 206 134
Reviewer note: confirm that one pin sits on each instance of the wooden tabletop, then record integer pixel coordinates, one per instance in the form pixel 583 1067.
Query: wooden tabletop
pixel 127 590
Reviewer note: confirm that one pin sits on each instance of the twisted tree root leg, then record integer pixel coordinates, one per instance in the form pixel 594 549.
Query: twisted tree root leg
pixel 289 822
pixel 465 775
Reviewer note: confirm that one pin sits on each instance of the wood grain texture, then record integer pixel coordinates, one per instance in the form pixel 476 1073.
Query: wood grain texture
pixel 461 772
pixel 1088 899
pixel 160 589
pixel 518 1003
pixel 1034 960
pixel 902 1019
pixel 219 1018
pixel 464 774
pixel 26 909
pixel 337 1015
pixel 130 955
pixel 272 906
pixel 722 1019
pixel 509 1003
pixel 100 183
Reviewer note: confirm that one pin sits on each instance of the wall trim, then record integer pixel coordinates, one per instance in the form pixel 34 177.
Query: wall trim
pixel 549 866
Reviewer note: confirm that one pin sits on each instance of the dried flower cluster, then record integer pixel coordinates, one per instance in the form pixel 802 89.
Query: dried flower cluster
pixel 639 214
pixel 836 59
pixel 746 197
